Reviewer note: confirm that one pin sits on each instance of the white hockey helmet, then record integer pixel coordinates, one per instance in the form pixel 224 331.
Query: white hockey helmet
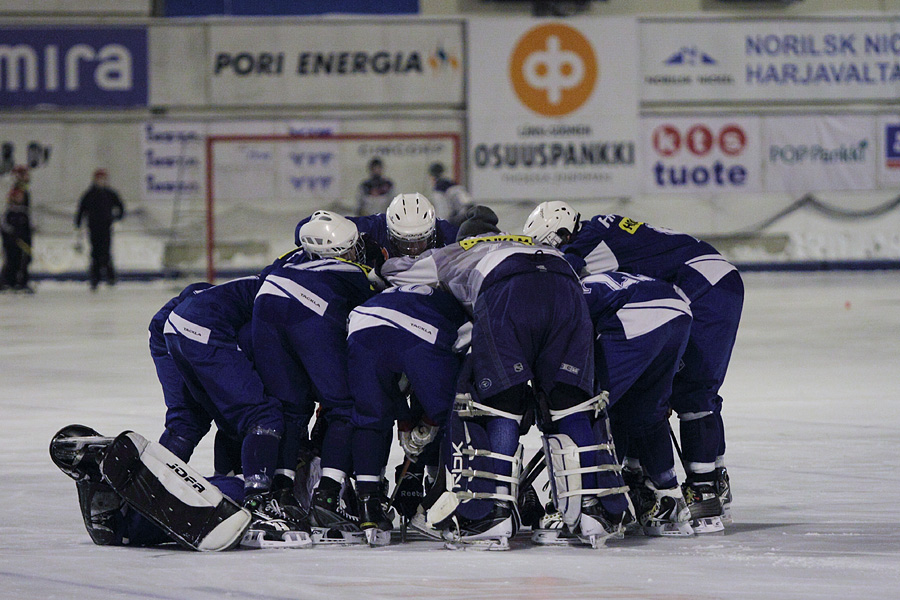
pixel 552 223
pixel 411 224
pixel 328 234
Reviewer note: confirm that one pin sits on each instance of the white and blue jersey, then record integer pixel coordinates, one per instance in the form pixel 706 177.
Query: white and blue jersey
pixel 616 243
pixel 300 346
pixel 214 316
pixel 375 228
pixel 429 314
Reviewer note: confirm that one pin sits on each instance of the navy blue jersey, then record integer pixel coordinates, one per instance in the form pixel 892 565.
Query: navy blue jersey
pixel 329 287
pixel 634 304
pixel 375 227
pixel 158 322
pixel 431 314
pixel 215 315
pixel 615 243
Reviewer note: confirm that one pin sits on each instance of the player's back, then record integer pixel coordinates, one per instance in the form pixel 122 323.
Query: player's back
pixel 616 243
pixel 431 313
pixel 220 311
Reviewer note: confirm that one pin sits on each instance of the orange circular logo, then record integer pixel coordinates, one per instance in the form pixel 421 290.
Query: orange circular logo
pixel 553 69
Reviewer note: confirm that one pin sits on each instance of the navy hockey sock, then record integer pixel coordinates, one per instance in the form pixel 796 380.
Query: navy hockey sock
pixel 503 435
pixel 259 455
pixel 700 439
pixel 336 447
pixel 369 457
pixel 655 453
pixel 177 445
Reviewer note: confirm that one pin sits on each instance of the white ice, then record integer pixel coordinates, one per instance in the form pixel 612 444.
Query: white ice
pixel 812 411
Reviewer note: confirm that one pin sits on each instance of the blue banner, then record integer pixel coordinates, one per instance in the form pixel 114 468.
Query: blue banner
pixel 201 8
pixel 73 66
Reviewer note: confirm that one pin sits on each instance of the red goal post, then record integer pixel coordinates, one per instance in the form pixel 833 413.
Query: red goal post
pixel 259 184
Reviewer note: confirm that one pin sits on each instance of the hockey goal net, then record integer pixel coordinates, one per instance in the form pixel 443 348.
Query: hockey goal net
pixel 259 186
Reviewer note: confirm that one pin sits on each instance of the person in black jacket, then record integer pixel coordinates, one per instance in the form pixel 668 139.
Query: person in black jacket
pixel 102 205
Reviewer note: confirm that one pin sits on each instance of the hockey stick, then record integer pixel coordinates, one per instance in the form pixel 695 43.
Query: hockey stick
pixel 534 468
pixel 677 446
pixel 403 520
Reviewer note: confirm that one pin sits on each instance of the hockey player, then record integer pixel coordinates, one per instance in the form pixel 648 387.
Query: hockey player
pixel 641 327
pixel 451 200
pixel 126 500
pixel 300 345
pixel 407 228
pixel 530 323
pixel 202 336
pixel 409 330
pixel 716 293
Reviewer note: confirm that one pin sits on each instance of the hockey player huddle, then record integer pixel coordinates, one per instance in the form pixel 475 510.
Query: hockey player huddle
pixel 466 337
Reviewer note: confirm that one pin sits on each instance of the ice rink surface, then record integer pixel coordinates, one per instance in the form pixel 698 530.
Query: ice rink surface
pixel 812 414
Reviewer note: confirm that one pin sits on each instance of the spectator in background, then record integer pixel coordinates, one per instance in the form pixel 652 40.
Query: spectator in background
pixel 15 226
pixel 449 198
pixel 376 192
pixel 102 205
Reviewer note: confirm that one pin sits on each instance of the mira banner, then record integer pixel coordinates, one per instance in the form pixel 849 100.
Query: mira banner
pixel 73 66
pixel 809 154
pixel 764 60
pixel 701 154
pixel 553 108
pixel 341 63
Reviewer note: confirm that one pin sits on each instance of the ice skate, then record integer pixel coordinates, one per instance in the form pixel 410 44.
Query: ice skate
pixel 331 522
pixel 78 451
pixel 552 530
pixel 490 533
pixel 723 489
pixel 668 515
pixel 639 495
pixel 705 506
pixel 373 520
pixel 598 525
pixel 277 522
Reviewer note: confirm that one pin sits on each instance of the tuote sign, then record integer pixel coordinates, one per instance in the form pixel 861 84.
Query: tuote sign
pixel 553 113
pixel 701 154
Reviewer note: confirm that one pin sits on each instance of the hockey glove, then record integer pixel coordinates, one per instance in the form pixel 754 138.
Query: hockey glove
pixel 414 440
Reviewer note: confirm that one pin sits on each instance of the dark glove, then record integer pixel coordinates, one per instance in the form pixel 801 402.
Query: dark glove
pixel 410 491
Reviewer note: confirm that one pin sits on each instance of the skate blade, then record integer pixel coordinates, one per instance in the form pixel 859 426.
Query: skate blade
pixel 707 525
pixel 669 530
pixel 289 540
pixel 726 515
pixel 553 537
pixel 496 544
pixel 420 524
pixel 378 537
pixel 325 536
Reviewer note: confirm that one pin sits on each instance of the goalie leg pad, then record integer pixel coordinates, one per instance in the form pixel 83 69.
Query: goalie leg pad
pixel 161 487
pixel 472 473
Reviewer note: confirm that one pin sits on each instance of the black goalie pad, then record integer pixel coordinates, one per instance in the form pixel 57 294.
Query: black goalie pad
pixel 164 489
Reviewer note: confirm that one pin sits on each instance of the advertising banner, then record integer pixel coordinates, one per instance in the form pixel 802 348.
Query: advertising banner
pixel 701 154
pixel 552 108
pixel 338 63
pixel 758 60
pixel 175 157
pixel 889 156
pixel 73 66
pixel 808 154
